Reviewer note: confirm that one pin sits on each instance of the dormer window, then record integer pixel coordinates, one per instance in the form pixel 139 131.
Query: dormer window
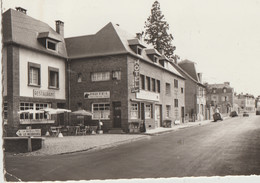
pixel 153 54
pixel 155 59
pixel 51 45
pixel 136 46
pixel 224 90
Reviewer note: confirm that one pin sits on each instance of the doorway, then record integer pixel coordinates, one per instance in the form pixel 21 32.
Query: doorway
pixel 157 116
pixel 116 114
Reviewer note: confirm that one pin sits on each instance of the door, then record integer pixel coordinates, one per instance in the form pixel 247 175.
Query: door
pixel 116 114
pixel 182 114
pixel 157 116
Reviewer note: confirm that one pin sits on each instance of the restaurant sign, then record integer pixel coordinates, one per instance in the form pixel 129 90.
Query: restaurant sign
pixel 136 87
pixel 99 94
pixel 43 93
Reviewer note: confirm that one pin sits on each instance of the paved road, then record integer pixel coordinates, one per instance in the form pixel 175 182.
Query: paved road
pixel 230 147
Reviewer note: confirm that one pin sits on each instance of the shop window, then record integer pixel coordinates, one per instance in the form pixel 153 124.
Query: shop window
pixel 26 106
pixel 148 111
pixel 134 111
pixel 142 82
pixel 101 110
pixel 168 111
pixel 116 75
pixel 53 77
pixel 175 102
pixel 79 79
pixel 148 83
pixel 34 78
pixel 175 83
pixel 153 85
pixel 167 89
pixel 35 115
pixel 100 76
pixel 158 86
pixel 41 116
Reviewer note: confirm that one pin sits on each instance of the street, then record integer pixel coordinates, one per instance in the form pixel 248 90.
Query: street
pixel 229 147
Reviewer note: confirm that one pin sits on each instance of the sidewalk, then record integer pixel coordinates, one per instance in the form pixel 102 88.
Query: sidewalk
pixel 70 144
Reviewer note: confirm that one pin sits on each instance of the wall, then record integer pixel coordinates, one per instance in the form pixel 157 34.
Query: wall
pixel 45 61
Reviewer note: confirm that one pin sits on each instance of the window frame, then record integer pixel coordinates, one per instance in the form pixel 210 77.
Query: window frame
pixel 168 111
pixel 37 67
pixel 176 83
pixel 52 42
pixel 176 103
pixel 107 117
pixel 148 113
pixel 56 71
pixel 148 83
pixel 168 89
pixel 104 76
pixel 116 75
pixel 134 109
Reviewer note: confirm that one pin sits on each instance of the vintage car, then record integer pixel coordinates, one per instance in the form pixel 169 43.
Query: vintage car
pixel 217 116
pixel 233 114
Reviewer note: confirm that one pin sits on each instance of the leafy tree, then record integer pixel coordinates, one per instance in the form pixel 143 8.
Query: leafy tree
pixel 156 31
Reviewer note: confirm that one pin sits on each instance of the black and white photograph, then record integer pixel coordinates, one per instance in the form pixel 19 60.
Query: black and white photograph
pixel 130 91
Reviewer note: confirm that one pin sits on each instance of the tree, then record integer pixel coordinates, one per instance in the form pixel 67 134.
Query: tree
pixel 156 31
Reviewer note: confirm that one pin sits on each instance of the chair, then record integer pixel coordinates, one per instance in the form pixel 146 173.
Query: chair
pixel 54 131
pixel 87 129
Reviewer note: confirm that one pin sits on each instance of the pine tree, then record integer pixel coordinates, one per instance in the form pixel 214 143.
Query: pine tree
pixel 156 31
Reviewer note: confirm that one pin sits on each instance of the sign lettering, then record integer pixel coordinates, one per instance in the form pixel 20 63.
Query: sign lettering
pixel 43 93
pixel 100 94
pixel 28 132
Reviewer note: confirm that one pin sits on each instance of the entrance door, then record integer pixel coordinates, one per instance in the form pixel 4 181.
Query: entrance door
pixel 117 114
pixel 182 114
pixel 157 117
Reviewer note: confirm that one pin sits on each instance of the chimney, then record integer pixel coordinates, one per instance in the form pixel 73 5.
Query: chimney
pixel 60 27
pixel 227 83
pixel 200 77
pixel 21 9
pixel 139 36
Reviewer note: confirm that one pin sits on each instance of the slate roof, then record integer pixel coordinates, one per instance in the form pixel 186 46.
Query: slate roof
pixel 110 40
pixel 217 86
pixel 24 30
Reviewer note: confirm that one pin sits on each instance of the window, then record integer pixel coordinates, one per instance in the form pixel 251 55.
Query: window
pixel 148 82
pixel 155 59
pixel 168 111
pixel 167 88
pixel 182 90
pixel 224 90
pixel 79 105
pixel 53 77
pixel 116 75
pixel 34 74
pixel 158 86
pixel 101 110
pixel 51 45
pixel 148 111
pixel 214 90
pixel 139 50
pixel 153 85
pixel 33 106
pixel 5 110
pixel 79 78
pixel 100 76
pixel 41 115
pixel 175 83
pixel 142 81
pixel 134 111
pixel 175 102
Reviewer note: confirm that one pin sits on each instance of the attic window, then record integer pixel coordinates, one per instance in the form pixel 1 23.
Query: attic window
pixel 139 50
pixel 155 59
pixel 51 45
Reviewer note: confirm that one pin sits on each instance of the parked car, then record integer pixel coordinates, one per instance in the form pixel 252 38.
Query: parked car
pixel 217 116
pixel 233 114
pixel 257 112
pixel 245 114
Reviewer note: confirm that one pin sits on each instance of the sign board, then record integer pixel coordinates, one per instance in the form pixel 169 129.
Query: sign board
pixel 99 94
pixel 28 132
pixel 43 93
pixel 136 87
pixel 146 95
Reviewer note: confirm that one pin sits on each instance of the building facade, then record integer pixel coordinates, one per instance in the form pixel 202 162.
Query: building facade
pixel 221 97
pixel 245 102
pixel 34 70
pixel 195 93
pixel 122 82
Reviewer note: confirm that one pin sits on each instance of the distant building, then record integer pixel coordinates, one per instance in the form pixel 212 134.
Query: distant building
pixel 195 91
pixel 246 102
pixel 220 96
pixel 257 102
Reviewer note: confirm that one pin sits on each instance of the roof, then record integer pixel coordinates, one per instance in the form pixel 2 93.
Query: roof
pixel 110 40
pixel 222 85
pixel 152 51
pixel 187 69
pixel 24 30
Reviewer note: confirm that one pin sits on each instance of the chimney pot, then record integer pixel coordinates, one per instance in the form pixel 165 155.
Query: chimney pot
pixel 60 27
pixel 20 9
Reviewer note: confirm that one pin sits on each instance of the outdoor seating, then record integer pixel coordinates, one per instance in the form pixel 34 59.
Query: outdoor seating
pixel 93 129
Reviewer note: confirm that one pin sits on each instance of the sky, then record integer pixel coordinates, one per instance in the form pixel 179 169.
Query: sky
pixel 221 36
